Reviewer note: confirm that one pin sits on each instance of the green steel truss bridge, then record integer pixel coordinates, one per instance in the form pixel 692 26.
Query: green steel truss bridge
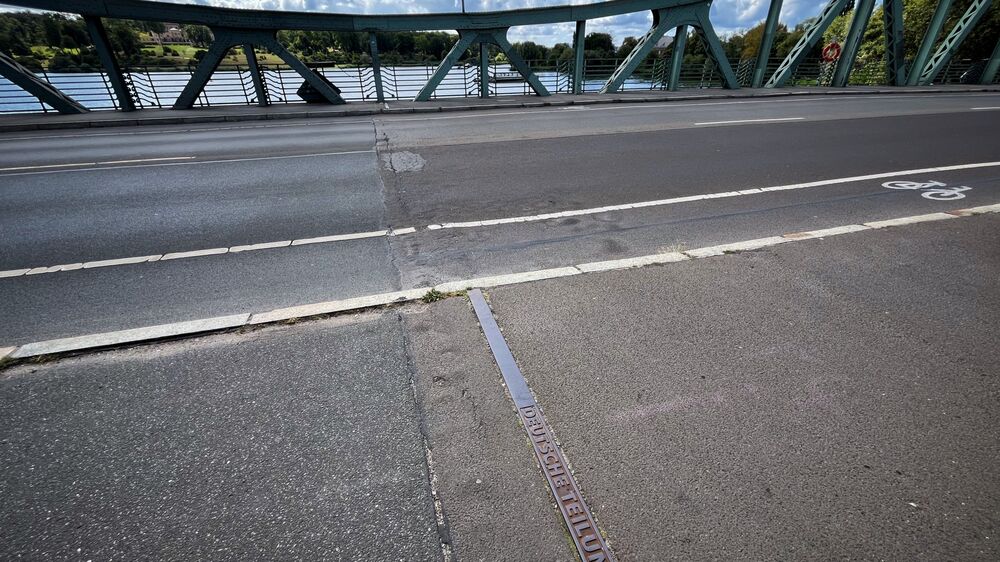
pixel 251 29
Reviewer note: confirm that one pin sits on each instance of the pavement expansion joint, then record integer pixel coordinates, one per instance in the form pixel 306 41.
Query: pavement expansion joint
pixel 580 522
pixel 90 342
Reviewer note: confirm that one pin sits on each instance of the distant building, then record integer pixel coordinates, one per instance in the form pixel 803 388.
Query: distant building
pixel 663 43
pixel 173 34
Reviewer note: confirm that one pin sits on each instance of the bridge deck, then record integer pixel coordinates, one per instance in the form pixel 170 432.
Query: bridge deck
pixel 237 113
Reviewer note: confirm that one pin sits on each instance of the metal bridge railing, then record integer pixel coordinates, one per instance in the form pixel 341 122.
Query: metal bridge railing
pixel 159 87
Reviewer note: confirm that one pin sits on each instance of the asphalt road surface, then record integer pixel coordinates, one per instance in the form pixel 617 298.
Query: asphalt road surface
pixel 72 198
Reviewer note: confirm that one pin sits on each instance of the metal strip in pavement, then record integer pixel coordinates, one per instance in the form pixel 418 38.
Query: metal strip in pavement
pixel 579 521
pixel 494 222
pixel 179 329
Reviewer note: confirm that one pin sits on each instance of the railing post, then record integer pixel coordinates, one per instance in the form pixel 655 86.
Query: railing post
pixel 376 68
pixel 578 44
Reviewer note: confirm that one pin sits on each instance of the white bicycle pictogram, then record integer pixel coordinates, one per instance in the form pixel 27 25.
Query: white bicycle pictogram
pixel 930 189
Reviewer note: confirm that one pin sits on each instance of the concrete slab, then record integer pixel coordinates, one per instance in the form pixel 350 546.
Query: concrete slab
pixel 493 495
pixel 831 398
pixel 296 442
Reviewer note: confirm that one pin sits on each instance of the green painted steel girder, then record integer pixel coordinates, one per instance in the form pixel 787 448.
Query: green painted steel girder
pixel 664 20
pixel 766 43
pixel 318 21
pixel 677 57
pixel 927 45
pixel 228 38
pixel 45 92
pixel 258 79
pixel 990 72
pixel 484 70
pixel 808 40
pixel 99 37
pixel 895 52
pixel 859 21
pixel 468 38
pixel 376 68
pixel 578 61
pixel 947 49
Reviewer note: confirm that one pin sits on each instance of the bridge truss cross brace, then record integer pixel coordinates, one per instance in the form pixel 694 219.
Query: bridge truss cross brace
pixel 483 38
pixel 226 38
pixel 695 15
pixel 45 92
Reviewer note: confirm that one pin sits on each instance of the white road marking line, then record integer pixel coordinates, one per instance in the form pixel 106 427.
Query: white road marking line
pixel 72 164
pixel 261 246
pixel 627 263
pixel 512 220
pixel 769 120
pixel 911 220
pixel 743 246
pixel 194 254
pixel 178 131
pixel 129 336
pixel 194 162
pixel 340 237
pixel 984 108
pixel 161 331
pixel 836 231
pixel 689 198
pixel 208 252
pixel 121 261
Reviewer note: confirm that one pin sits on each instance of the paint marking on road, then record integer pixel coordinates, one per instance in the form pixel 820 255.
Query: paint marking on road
pixel 911 220
pixel 744 246
pixel 208 252
pixel 179 131
pixel 77 164
pixel 735 121
pixel 690 198
pixel 340 237
pixel 189 162
pixel 137 335
pixel 985 108
pixel 502 221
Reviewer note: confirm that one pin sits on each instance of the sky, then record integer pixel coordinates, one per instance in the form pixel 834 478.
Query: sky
pixel 728 16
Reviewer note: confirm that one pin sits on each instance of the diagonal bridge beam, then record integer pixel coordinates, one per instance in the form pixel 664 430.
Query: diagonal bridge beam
pixel 483 38
pixel 225 39
pixel 695 15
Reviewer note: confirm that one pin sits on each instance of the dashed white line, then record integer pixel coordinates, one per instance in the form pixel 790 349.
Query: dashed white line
pixel 72 164
pixel 188 162
pixel 984 108
pixel 735 121
pixel 94 341
pixel 489 222
pixel 690 198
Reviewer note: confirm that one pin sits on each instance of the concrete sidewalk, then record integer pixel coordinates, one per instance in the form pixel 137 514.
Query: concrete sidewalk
pixel 234 113
pixel 818 399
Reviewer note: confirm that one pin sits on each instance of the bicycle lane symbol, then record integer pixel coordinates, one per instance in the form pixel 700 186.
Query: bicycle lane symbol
pixel 933 190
